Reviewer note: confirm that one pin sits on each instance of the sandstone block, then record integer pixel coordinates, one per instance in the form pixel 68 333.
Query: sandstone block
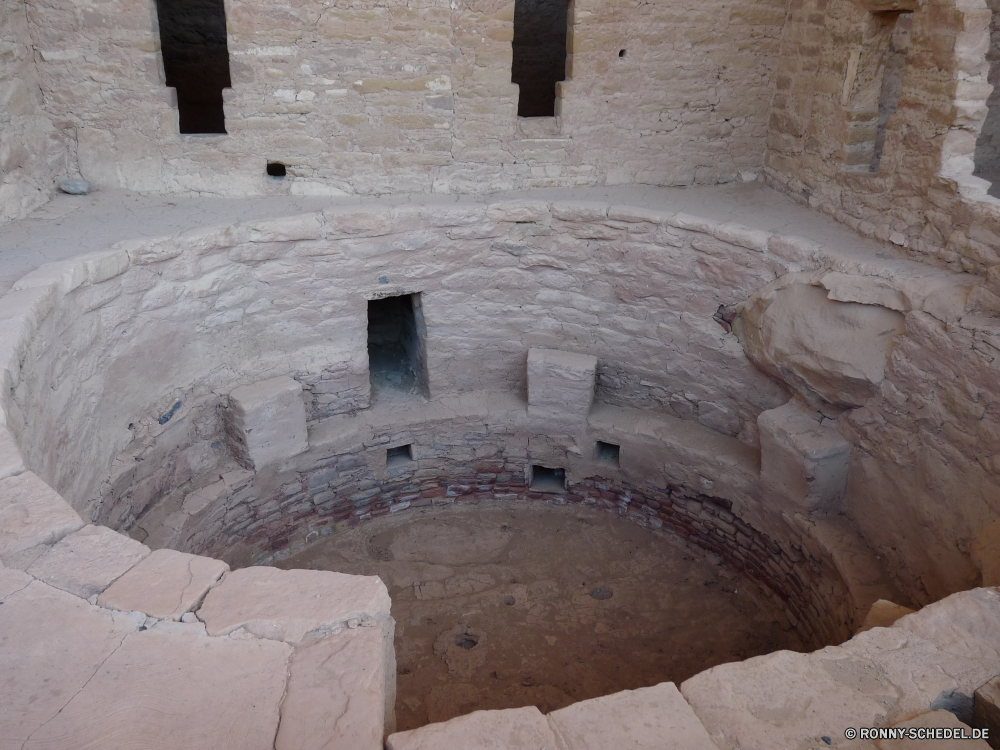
pixel 884 613
pixel 653 718
pixel 802 459
pixel 175 687
pixel 268 421
pixel 336 695
pixel 829 351
pixel 560 384
pixel 934 719
pixel 88 561
pixel 164 585
pixel 11 463
pixel 986 710
pixel 51 644
pixel 287 605
pixel 965 624
pixel 32 513
pixel 515 728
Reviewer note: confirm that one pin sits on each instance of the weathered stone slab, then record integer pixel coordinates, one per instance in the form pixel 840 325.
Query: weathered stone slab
pixel 777 700
pixel 512 729
pixel 336 695
pixel 827 350
pixel 32 513
pixel 560 385
pixel 653 718
pixel 965 624
pixel 164 585
pixel 51 644
pixel 175 687
pixel 87 561
pixel 268 421
pixel 11 462
pixel 804 460
pixel 286 605
pixel 884 613
pixel 940 719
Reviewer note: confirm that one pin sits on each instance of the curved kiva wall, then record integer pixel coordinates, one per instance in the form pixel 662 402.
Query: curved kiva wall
pixel 122 375
pixel 129 357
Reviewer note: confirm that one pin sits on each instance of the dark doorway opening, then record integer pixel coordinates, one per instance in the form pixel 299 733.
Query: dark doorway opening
pixel 539 54
pixel 544 479
pixel 195 60
pixel 396 345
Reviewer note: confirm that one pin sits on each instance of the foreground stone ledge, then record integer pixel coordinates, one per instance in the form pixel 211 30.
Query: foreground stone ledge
pixel 934 719
pixel 88 561
pixel 51 644
pixel 32 513
pixel 165 585
pixel 514 728
pixel 286 605
pixel 653 717
pixel 174 687
pixel 337 693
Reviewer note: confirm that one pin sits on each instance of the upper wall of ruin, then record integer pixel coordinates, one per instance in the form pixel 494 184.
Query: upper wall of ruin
pixel 373 98
pixel 911 81
pixel 32 153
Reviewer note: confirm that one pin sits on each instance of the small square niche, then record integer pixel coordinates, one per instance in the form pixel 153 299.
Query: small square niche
pixel 398 456
pixel 544 479
pixel 608 454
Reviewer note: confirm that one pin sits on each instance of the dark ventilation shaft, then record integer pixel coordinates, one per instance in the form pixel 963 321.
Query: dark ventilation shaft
pixel 195 60
pixel 539 54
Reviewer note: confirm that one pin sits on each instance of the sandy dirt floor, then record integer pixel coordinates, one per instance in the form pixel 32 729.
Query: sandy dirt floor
pixel 500 606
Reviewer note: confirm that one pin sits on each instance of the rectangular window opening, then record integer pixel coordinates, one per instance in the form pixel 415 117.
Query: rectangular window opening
pixel 872 87
pixel 544 479
pixel 196 61
pixel 539 54
pixel 608 454
pixel 398 456
pixel 396 360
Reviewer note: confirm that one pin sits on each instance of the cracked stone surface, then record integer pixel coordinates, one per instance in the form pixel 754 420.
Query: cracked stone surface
pixel 87 561
pixel 32 513
pixel 51 644
pixel 285 605
pixel 650 717
pixel 175 687
pixel 336 695
pixel 521 728
pixel 164 585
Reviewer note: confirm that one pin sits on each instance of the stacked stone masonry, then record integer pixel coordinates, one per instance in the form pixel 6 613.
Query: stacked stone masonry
pixel 140 419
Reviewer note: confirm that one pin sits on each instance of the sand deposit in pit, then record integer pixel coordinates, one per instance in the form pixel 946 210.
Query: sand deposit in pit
pixel 525 604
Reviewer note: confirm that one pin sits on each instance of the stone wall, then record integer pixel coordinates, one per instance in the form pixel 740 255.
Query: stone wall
pixel 33 151
pixel 386 98
pixel 128 356
pixel 923 197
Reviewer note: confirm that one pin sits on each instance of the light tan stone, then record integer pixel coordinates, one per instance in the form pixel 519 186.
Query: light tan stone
pixel 268 421
pixel 88 561
pixel 288 605
pixel 883 614
pixel 32 513
pixel 51 644
pixel 164 585
pixel 560 385
pixel 175 687
pixel 512 729
pixel 986 710
pixel 933 720
pixel 336 695
pixel 653 718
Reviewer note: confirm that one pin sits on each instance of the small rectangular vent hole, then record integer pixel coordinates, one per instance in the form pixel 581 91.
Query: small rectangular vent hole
pixel 544 479
pixel 398 456
pixel 276 169
pixel 608 454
